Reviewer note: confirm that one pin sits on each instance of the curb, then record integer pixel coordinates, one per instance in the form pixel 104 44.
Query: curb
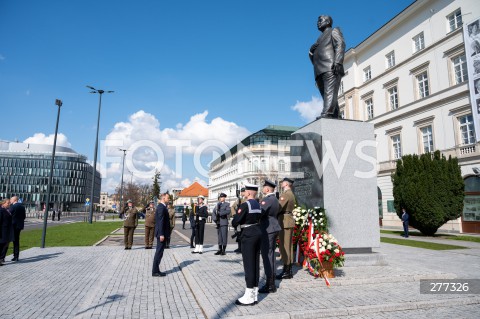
pixel 105 238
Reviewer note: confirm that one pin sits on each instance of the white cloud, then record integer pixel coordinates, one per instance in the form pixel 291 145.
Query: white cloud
pixel 149 145
pixel 309 110
pixel 40 138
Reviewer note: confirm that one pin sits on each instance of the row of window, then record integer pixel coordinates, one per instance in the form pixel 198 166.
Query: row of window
pixel 467 136
pixel 14 162
pixel 454 21
pixel 459 67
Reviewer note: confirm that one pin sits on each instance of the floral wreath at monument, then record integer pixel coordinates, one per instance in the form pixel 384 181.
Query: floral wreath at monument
pixel 319 249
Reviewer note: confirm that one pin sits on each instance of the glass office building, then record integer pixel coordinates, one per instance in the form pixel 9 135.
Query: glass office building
pixel 25 169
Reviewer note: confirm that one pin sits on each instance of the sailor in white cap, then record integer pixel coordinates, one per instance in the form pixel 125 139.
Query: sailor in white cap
pixel 201 214
pixel 248 218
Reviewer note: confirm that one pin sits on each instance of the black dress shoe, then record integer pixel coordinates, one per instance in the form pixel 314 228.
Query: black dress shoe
pixel 15 259
pixel 159 274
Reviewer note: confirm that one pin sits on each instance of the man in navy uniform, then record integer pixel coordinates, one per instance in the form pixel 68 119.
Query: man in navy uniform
pixel 248 218
pixel 162 231
pixel 222 210
pixel 201 213
pixel 18 219
pixel 270 229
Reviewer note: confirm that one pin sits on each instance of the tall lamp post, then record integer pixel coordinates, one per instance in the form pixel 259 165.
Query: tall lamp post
pixel 121 185
pixel 49 187
pixel 100 92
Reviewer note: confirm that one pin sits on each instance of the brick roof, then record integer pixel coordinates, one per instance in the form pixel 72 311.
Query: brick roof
pixel 194 190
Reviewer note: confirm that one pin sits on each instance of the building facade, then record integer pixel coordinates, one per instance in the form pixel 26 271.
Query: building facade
pixel 25 169
pixel 410 80
pixel 264 154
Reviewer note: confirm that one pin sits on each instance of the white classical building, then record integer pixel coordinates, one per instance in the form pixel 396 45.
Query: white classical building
pixel 410 80
pixel 262 155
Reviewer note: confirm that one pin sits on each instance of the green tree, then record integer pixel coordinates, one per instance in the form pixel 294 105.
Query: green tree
pixel 431 189
pixel 156 185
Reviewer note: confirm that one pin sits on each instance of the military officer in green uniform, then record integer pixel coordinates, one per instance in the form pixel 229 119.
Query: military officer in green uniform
pixel 150 225
pixel 129 224
pixel 287 223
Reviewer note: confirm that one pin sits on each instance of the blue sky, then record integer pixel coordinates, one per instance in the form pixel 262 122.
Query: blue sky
pixel 245 62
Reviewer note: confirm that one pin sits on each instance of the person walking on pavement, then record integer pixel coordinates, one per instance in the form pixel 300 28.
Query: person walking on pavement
pixel 162 231
pixel 248 218
pixel 191 217
pixel 129 224
pixel 405 218
pixel 171 215
pixel 18 220
pixel 222 210
pixel 287 223
pixel 149 225
pixel 270 229
pixel 201 214
pixel 6 228
pixel 238 232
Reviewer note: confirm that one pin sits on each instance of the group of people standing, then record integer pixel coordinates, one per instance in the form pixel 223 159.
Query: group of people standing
pixel 258 223
pixel 12 218
pixel 261 223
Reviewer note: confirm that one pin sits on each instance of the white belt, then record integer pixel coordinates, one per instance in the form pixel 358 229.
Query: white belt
pixel 245 226
pixel 201 218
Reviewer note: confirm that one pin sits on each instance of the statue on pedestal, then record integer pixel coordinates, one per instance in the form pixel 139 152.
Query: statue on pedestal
pixel 327 58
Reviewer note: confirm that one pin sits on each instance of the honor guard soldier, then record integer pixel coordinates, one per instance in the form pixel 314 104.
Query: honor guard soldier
pixel 287 223
pixel 129 224
pixel 248 218
pixel 222 210
pixel 201 213
pixel 270 230
pixel 238 232
pixel 149 225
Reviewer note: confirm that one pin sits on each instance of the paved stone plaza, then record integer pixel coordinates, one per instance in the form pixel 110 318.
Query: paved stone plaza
pixel 108 282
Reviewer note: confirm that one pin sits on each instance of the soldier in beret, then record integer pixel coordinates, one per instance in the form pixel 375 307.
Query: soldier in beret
pixel 149 225
pixel 270 229
pixel 222 210
pixel 287 223
pixel 129 224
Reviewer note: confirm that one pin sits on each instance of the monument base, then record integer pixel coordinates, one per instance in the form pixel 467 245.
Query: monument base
pixel 357 259
pixel 334 167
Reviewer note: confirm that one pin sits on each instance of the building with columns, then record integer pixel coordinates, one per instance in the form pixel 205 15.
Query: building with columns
pixel 264 154
pixel 410 79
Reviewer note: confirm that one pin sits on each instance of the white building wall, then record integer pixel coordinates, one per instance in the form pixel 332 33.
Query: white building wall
pixel 446 101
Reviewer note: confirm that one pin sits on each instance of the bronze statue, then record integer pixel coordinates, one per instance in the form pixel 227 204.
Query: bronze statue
pixel 327 58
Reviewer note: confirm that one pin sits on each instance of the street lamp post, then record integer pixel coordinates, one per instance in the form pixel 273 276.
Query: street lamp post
pixel 121 185
pixel 100 92
pixel 49 187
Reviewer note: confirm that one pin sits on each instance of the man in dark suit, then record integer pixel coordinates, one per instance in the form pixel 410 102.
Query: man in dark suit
pixel 18 218
pixel 327 58
pixel 405 219
pixel 162 231
pixel 270 229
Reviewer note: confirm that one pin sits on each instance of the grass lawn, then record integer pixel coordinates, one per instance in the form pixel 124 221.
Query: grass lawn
pixel 419 244
pixel 442 236
pixel 76 234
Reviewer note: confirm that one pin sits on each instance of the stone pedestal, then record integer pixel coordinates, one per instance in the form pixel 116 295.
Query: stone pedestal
pixel 334 166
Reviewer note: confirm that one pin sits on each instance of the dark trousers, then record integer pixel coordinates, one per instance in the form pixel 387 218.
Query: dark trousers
pixel 199 235
pixel 158 255
pixel 222 233
pixel 16 242
pixel 405 229
pixel 251 241
pixel 328 85
pixel 192 237
pixel 3 250
pixel 268 245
